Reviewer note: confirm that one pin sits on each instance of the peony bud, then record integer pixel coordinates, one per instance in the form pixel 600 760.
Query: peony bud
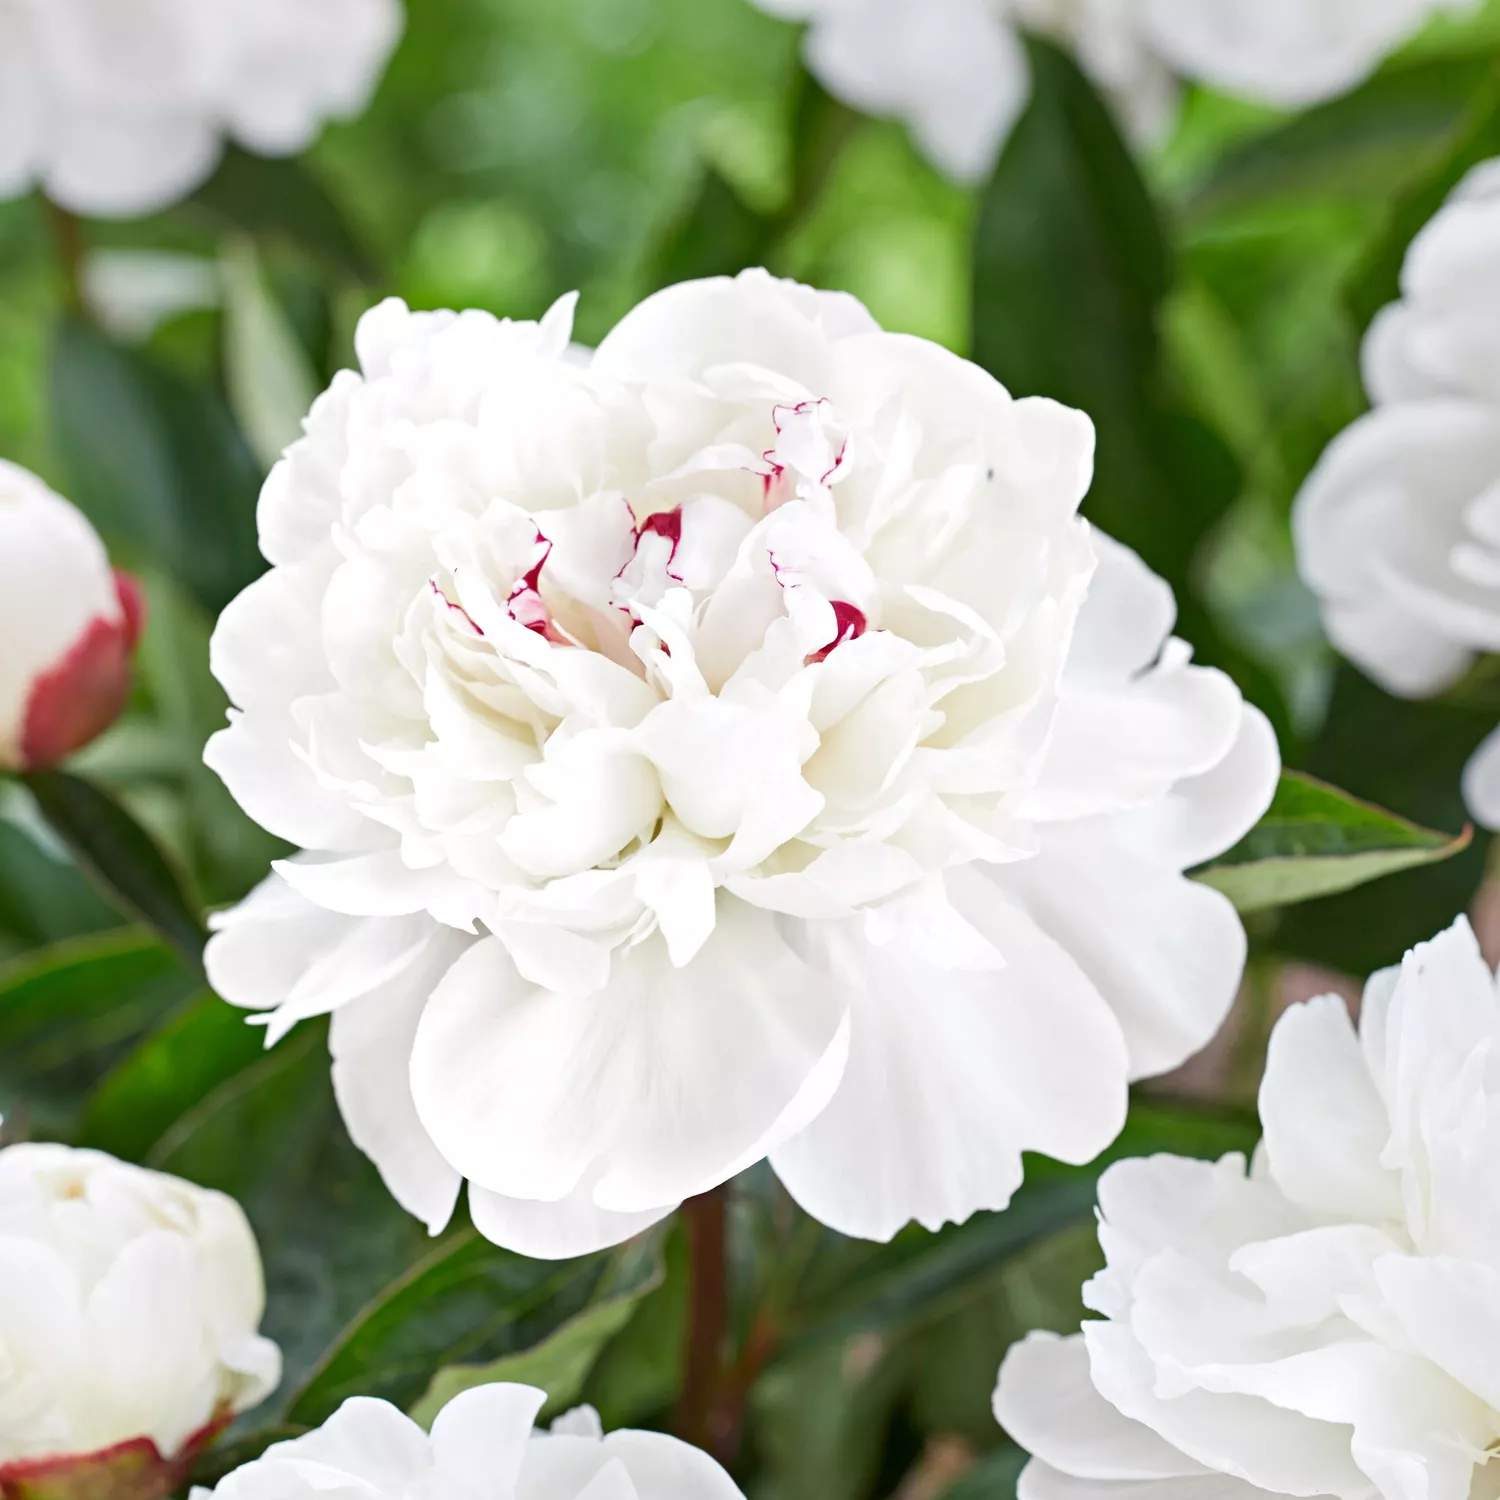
pixel 129 1304
pixel 68 625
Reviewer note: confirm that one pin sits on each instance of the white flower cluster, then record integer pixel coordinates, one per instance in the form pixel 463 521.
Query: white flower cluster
pixel 121 107
pixel 1323 1323
pixel 129 1304
pixel 482 1447
pixel 1398 528
pixel 956 72
pixel 68 623
pixel 734 745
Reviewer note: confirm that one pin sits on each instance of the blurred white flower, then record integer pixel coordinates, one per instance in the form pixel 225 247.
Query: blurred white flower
pixel 482 1447
pixel 129 1303
pixel 956 71
pixel 1398 527
pixel 1325 1323
pixel 1286 53
pixel 733 746
pixel 68 625
pixel 121 107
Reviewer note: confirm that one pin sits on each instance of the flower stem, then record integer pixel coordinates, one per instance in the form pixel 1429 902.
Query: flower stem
pixel 67 235
pixel 704 1220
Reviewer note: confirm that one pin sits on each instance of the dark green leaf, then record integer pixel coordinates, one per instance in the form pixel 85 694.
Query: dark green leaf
pixel 168 1074
pixel 121 856
pixel 1318 841
pixel 561 1363
pixel 1353 146
pixel 717 234
pixel 1408 757
pixel 155 462
pixel 282 198
pixel 44 899
pixel 68 1012
pixel 1475 138
pixel 468 1301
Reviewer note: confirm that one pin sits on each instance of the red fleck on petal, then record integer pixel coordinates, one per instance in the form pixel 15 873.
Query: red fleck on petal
pixel 79 697
pixel 851 625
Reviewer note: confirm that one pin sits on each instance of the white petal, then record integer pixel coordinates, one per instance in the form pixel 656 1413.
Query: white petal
pixel 1046 1401
pixel 525 1091
pixel 371 1043
pixel 952 1076
pixel 1165 952
pixel 479 1438
pixel 574 1225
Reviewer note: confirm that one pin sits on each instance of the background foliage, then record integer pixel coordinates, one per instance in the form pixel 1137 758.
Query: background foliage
pixel 1205 306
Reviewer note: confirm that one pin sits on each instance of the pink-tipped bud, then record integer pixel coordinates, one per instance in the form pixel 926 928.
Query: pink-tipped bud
pixel 68 626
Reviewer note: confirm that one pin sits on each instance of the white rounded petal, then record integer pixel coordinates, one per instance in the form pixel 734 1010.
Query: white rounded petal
pixel 574 1225
pixel 951 1076
pixel 642 1087
pixel 1165 952
pixel 1046 1402
pixel 658 1467
pixel 1482 782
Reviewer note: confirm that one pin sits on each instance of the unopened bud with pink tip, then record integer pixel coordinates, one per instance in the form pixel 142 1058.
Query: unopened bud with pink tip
pixel 68 626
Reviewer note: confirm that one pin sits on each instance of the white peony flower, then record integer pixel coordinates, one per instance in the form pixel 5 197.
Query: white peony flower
pixel 733 746
pixel 121 107
pixel 1324 1323
pixel 129 1303
pixel 956 72
pixel 1398 527
pixel 68 625
pixel 482 1447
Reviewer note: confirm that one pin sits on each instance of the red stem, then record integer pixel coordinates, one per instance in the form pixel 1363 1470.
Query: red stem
pixel 708 1314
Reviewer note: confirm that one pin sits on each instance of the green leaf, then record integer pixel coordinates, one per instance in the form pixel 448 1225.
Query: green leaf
pixel 717 234
pixel 168 1074
pixel 1318 841
pixel 1071 268
pixel 469 1300
pixel 1475 138
pixel 1353 147
pixel 121 857
pixel 44 898
pixel 1409 757
pixel 155 462
pixel 271 382
pixel 67 1014
pixel 280 198
pixel 559 1364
